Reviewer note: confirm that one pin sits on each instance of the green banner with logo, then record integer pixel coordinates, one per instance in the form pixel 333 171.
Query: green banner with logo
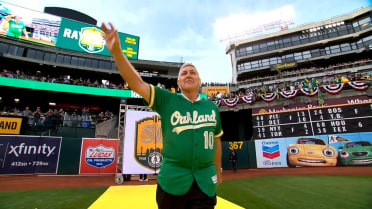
pixel 88 38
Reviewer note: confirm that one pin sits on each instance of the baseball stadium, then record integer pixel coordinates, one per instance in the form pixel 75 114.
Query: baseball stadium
pixel 297 113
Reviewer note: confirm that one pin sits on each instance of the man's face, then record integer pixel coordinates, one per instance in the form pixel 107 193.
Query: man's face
pixel 189 79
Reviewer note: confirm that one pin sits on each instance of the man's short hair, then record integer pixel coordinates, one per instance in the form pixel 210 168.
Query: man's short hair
pixel 185 65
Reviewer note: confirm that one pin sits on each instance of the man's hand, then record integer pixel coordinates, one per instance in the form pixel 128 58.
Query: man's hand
pixel 217 159
pixel 219 177
pixel 112 39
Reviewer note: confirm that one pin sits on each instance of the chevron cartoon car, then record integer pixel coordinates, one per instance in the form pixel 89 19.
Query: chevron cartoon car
pixel 356 153
pixel 307 151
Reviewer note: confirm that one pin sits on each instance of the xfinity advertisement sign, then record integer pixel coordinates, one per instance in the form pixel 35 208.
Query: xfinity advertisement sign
pixel 29 154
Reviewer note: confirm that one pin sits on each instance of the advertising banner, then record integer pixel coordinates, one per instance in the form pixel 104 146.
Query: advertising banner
pixel 283 66
pixel 87 38
pixel 30 25
pixel 143 143
pixel 271 153
pixel 348 149
pixel 29 154
pixel 98 156
pixel 10 125
pixel 209 90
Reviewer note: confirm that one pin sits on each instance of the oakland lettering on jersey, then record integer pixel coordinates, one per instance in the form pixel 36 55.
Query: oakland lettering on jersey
pixel 186 122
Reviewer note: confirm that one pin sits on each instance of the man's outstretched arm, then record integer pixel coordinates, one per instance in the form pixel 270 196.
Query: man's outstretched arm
pixel 126 69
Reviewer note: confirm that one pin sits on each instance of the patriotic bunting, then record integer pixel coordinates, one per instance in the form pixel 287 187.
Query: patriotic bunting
pixel 217 102
pixel 310 92
pixel 231 102
pixel 288 94
pixel 358 85
pixel 268 97
pixel 333 88
pixel 247 99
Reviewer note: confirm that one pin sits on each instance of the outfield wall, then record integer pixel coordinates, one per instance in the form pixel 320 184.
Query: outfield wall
pixel 57 155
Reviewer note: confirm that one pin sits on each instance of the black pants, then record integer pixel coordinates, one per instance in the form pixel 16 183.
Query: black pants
pixel 143 176
pixel 193 199
pixel 234 166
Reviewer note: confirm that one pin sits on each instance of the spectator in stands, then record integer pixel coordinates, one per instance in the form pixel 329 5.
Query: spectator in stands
pixel 54 119
pixel 37 115
pixel 366 76
pixel 84 113
pixel 331 80
pixel 314 83
pixel 48 119
pixel 350 77
pixel 263 89
pixel 344 79
pixel 27 112
pixel 324 81
pixel 219 95
pixel 225 95
pixel 100 117
pixel 74 119
pixel 61 115
pixel 15 112
pixel 337 79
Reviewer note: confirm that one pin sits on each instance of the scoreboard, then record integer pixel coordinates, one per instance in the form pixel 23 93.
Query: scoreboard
pixel 349 118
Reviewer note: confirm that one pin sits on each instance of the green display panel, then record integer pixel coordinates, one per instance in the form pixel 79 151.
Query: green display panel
pixel 29 84
pixel 33 26
pixel 87 38
pixel 69 156
pixel 12 82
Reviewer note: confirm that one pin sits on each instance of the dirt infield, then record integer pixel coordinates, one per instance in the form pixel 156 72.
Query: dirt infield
pixel 21 182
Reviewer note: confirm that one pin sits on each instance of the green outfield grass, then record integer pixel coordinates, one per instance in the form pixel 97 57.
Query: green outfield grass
pixel 77 198
pixel 299 192
pixel 267 192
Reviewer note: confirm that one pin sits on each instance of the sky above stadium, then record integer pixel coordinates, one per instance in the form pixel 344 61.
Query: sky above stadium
pixel 192 30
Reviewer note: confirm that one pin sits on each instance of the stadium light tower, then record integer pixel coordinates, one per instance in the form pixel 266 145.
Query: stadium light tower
pixel 244 25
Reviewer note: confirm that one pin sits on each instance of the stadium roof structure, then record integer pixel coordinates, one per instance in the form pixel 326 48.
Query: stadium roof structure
pixel 316 44
pixel 304 27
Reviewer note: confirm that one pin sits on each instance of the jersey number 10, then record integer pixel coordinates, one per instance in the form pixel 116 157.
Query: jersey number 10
pixel 208 140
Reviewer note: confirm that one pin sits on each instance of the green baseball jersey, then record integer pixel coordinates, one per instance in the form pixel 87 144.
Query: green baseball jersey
pixel 189 130
pixel 15 29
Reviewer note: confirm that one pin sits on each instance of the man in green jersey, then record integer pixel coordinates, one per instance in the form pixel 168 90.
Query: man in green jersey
pixel 191 129
pixel 16 26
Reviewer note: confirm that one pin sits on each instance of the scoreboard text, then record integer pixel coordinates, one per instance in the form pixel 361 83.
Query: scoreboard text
pixel 313 121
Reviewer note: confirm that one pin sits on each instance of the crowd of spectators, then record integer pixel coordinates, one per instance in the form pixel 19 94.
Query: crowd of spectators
pixel 64 79
pixel 332 77
pixel 54 117
pixel 75 118
pixel 67 79
pixel 305 71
